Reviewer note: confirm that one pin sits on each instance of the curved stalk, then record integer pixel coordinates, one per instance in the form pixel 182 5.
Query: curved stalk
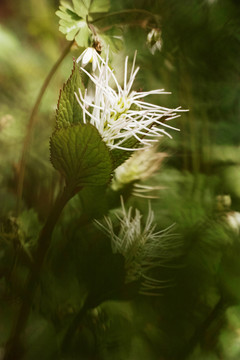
pixel 123 12
pixel 66 343
pixel 30 124
pixel 198 338
pixel 14 349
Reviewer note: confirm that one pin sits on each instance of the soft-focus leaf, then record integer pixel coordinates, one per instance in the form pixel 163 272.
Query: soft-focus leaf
pixel 81 156
pixel 116 339
pixel 62 294
pixel 112 39
pixel 229 338
pixel 41 340
pixel 29 227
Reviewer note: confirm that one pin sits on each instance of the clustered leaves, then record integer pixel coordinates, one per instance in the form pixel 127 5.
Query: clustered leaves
pixel 74 19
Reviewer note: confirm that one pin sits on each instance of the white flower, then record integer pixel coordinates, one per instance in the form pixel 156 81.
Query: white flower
pixel 90 55
pixel 119 113
pixel 142 247
pixel 233 219
pixel 154 40
pixel 140 166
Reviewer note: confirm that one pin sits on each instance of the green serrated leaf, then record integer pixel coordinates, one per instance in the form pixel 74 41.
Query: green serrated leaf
pixel 68 110
pixel 73 20
pixel 81 156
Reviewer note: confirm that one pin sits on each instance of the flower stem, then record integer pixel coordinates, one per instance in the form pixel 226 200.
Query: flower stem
pixel 68 338
pixel 124 12
pixel 14 349
pixel 30 124
pixel 198 338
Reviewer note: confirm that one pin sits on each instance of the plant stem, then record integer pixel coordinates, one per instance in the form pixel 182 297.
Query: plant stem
pixel 124 12
pixel 14 350
pixel 30 124
pixel 68 337
pixel 198 337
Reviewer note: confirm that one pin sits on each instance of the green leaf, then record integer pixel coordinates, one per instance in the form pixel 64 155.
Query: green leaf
pixel 86 7
pixel 29 228
pixel 66 5
pixel 71 23
pixel 83 36
pixel 81 8
pixel 73 18
pixel 81 156
pixel 68 110
pixel 67 13
pixel 40 340
pixel 93 201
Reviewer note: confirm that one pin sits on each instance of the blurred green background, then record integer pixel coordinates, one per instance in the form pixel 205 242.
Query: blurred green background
pixel 198 315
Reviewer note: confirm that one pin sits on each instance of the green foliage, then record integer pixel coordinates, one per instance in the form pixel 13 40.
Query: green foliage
pixel 74 19
pixel 93 202
pixel 229 340
pixel 41 340
pixel 116 339
pixel 62 295
pixel 85 7
pixel 73 25
pixel 68 109
pixel 80 155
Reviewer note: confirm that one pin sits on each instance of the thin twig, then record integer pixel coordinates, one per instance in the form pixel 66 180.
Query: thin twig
pixel 124 12
pixel 198 337
pixel 30 124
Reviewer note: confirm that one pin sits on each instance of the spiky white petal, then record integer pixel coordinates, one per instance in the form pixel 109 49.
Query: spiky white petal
pixel 154 40
pixel 90 55
pixel 120 113
pixel 142 247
